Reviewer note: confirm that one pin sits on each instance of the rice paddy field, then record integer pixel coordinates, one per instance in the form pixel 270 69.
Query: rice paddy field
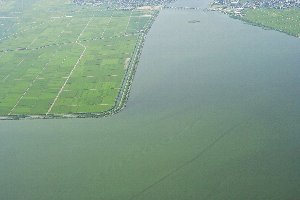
pixel 57 57
pixel 215 116
pixel 284 20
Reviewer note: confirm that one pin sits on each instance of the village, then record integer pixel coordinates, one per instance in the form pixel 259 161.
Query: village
pixel 122 4
pixel 235 7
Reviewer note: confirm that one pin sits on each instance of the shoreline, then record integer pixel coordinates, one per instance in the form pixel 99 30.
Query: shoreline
pixel 238 14
pixel 248 22
pixel 120 100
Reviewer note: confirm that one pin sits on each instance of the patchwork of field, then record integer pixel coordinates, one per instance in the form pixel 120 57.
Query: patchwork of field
pixel 284 20
pixel 59 58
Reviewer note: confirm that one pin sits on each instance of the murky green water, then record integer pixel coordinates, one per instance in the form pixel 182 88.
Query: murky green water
pixel 214 113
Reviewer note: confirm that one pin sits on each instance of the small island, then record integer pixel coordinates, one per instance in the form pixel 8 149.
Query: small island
pixel 194 21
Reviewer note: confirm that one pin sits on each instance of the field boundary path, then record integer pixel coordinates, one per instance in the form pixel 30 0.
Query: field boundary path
pixel 112 42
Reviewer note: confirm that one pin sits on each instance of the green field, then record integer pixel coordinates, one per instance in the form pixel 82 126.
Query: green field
pixel 60 58
pixel 284 20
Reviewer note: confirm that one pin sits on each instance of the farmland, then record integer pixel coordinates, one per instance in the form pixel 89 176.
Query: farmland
pixel 58 58
pixel 280 15
pixel 284 20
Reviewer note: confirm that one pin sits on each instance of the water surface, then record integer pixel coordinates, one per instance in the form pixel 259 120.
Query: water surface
pixel 213 114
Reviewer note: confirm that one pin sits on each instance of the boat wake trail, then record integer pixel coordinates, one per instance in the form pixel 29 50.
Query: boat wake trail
pixel 207 148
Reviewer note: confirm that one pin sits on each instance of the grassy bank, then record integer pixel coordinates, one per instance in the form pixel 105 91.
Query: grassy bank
pixel 283 20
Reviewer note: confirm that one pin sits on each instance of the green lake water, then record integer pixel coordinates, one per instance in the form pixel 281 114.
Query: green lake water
pixel 214 113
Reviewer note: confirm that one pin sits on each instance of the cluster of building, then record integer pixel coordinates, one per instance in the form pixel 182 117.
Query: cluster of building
pixel 122 4
pixel 278 4
pixel 235 7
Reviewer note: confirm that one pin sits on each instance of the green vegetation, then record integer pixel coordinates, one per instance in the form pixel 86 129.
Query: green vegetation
pixel 284 20
pixel 59 58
